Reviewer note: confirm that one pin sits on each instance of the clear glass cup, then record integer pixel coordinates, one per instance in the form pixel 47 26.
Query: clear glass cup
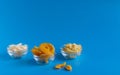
pixel 39 60
pixel 17 54
pixel 70 55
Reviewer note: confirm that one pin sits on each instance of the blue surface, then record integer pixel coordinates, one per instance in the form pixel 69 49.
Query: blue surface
pixel 94 24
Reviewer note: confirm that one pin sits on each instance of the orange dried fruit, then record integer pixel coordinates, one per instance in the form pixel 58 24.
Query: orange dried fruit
pixel 68 67
pixel 47 48
pixel 44 51
pixel 36 52
pixel 59 66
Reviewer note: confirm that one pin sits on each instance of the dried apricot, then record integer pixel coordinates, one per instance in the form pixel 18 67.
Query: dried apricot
pixel 59 66
pixel 68 67
pixel 44 51
pixel 47 48
pixel 36 52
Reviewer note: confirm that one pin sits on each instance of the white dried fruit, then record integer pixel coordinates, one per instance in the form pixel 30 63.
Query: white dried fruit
pixel 17 50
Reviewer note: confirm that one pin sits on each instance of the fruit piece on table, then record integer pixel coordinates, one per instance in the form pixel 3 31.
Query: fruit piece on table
pixel 59 66
pixel 68 67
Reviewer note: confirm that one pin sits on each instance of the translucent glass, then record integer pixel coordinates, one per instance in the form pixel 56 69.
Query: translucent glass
pixel 70 55
pixel 42 61
pixel 17 54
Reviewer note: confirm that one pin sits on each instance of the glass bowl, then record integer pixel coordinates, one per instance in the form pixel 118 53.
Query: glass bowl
pixel 70 55
pixel 39 60
pixel 17 54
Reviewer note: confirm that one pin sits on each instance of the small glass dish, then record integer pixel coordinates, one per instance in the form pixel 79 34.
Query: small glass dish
pixel 70 55
pixel 17 54
pixel 39 60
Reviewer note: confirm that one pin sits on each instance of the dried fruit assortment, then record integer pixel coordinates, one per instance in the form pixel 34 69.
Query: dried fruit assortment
pixel 46 52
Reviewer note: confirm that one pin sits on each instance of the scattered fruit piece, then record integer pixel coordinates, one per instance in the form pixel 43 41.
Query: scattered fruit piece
pixel 59 66
pixel 68 67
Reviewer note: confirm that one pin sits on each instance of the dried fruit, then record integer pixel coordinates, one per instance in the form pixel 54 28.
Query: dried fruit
pixel 17 50
pixel 68 67
pixel 47 48
pixel 44 51
pixel 59 66
pixel 36 52
pixel 71 50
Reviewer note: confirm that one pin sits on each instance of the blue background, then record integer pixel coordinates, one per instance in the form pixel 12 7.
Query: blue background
pixel 93 23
